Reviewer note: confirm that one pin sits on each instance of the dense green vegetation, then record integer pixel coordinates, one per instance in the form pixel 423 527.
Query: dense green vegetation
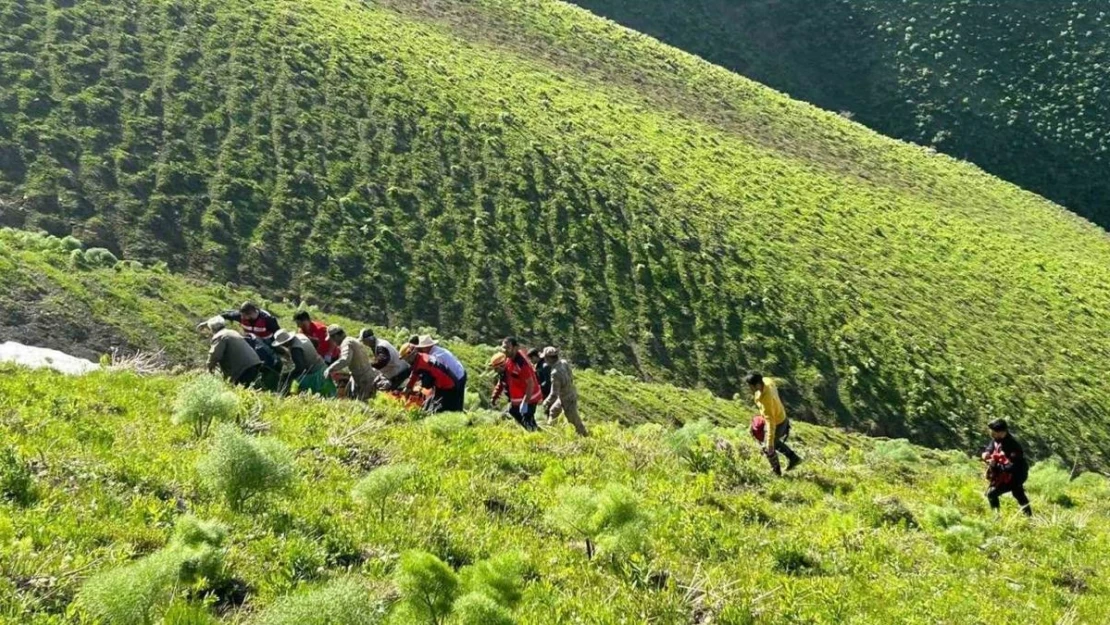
pixel 508 166
pixel 106 510
pixel 1019 87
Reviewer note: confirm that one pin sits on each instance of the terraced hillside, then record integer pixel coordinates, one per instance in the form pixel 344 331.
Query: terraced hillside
pixel 510 165
pixel 304 512
pixel 1019 87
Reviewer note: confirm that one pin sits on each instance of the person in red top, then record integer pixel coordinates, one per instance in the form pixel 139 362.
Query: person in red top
pixel 431 374
pixel 517 376
pixel 318 334
pixel 255 322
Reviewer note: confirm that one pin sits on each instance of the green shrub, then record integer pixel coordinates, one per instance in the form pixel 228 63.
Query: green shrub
pixel 693 443
pixel 17 484
pixel 129 594
pixel 345 601
pixel 183 613
pixel 446 424
pixel 885 511
pixel 428 587
pixel 71 243
pixel 1050 480
pixel 375 489
pixel 204 400
pixel 501 578
pixel 100 257
pixel 960 538
pixel 238 466
pixel 794 561
pixel 897 451
pixel 941 517
pixel 610 518
pixel 479 609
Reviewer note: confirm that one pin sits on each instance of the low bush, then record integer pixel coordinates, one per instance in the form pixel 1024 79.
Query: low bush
pixel 897 451
pixel 890 511
pixel 794 561
pixel 479 609
pixel 1050 480
pixel 130 594
pixel 941 517
pixel 609 518
pixel 239 467
pixel 375 489
pixel 100 257
pixel 960 538
pixel 17 484
pixel 693 442
pixel 345 601
pixel 428 587
pixel 500 578
pixel 204 400
pixel 446 424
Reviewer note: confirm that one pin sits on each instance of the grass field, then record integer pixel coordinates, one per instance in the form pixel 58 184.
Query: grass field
pixel 504 166
pixel 1016 86
pixel 307 510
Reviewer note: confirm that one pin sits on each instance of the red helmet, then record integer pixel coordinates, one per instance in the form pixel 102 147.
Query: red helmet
pixel 759 427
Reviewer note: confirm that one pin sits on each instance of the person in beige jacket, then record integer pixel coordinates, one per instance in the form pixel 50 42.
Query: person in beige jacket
pixel 236 359
pixel 354 357
pixel 564 396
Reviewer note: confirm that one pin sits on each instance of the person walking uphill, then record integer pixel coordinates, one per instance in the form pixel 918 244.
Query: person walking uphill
pixel 518 378
pixel 236 359
pixel 776 424
pixel 255 321
pixel 543 370
pixel 1007 468
pixel 308 366
pixel 563 398
pixel 354 357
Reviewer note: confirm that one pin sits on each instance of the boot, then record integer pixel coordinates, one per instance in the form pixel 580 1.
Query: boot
pixel 773 458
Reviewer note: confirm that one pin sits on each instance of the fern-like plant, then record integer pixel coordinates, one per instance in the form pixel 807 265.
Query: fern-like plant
pixel 239 466
pixel 204 400
pixel 428 587
pixel 375 489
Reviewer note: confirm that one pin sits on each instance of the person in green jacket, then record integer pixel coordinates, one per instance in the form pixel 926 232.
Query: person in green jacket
pixel 308 366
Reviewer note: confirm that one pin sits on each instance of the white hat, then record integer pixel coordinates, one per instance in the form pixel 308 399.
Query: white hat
pixel 426 341
pixel 281 337
pixel 216 323
pixel 550 352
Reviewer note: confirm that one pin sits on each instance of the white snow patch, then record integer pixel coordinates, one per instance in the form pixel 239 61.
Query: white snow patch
pixel 40 357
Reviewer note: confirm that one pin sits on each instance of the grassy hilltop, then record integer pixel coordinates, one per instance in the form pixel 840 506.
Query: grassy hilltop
pixel 1018 86
pixel 502 165
pixel 303 511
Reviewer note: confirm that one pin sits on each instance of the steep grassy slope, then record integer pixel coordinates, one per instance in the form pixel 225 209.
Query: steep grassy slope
pixel 1018 87
pixel 865 533
pixel 507 166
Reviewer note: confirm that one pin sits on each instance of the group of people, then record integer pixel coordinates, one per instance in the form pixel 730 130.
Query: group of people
pixel 326 361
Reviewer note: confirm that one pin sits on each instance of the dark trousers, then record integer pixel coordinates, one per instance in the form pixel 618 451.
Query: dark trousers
pixel 782 432
pixel 455 399
pixel 1015 488
pixel 249 376
pixel 527 421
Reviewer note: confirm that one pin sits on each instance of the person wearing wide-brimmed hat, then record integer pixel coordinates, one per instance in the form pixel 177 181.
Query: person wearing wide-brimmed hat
pixel 564 395
pixel 236 359
pixel 354 357
pixel 308 366
pixel 430 373
pixel 393 371
pixel 456 398
pixel 517 378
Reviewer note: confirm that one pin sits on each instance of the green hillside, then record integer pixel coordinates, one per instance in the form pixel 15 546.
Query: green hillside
pixel 100 494
pixel 508 166
pixel 1017 86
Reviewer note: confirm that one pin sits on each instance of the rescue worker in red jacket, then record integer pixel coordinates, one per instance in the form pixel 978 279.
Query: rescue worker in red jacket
pixel 1007 468
pixel 517 377
pixel 431 374
pixel 254 321
pixel 318 334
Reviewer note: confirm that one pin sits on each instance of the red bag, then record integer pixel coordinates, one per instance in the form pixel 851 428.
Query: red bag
pixel 759 428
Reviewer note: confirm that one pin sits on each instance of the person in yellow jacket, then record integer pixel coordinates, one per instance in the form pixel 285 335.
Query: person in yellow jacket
pixel 766 395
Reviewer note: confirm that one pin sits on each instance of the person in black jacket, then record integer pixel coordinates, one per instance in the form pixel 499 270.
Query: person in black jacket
pixel 543 371
pixel 1007 468
pixel 255 321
